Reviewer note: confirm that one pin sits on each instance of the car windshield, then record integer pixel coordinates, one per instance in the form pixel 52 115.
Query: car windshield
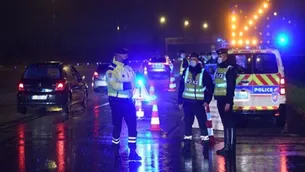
pixel 158 60
pixel 102 68
pixel 44 71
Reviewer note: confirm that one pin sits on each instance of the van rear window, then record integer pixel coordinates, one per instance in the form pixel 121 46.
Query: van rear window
pixel 265 63
pixel 244 63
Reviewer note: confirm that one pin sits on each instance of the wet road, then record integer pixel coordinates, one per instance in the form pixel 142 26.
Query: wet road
pixel 51 142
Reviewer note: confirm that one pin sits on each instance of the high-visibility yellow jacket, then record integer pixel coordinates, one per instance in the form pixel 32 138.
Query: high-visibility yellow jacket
pixel 194 89
pixel 120 80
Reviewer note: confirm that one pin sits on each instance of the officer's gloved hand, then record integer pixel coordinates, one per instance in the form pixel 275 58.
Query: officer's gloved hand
pixel 127 86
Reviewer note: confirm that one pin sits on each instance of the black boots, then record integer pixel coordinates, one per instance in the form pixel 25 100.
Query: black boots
pixel 229 142
pixel 133 156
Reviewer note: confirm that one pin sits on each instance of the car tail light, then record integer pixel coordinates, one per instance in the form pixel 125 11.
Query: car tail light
pixel 95 74
pixel 282 86
pixel 20 87
pixel 60 86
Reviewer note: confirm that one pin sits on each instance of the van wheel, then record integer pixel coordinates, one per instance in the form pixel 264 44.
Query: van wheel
pixel 22 109
pixel 280 121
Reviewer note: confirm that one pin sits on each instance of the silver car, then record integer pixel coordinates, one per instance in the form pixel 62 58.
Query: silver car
pixel 99 83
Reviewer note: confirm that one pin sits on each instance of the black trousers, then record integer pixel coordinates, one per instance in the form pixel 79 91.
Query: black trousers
pixel 190 110
pixel 123 108
pixel 228 121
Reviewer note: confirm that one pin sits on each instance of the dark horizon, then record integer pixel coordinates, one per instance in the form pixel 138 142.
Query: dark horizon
pixel 88 28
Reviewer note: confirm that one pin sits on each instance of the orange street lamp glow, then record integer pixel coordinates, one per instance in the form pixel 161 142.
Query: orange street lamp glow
pixel 247 42
pixel 233 34
pixel 255 17
pixel 246 28
pixel 250 22
pixel 233 26
pixel 240 33
pixel 266 5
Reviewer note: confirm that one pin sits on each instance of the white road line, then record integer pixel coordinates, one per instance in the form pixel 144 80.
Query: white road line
pixel 102 105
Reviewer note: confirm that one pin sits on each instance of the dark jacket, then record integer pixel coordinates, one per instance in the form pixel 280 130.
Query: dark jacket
pixel 185 63
pixel 231 76
pixel 207 82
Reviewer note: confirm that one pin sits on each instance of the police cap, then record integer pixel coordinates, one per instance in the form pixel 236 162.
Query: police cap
pixel 222 51
pixel 121 51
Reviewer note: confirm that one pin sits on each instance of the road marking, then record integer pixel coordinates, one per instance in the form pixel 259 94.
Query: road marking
pixel 102 105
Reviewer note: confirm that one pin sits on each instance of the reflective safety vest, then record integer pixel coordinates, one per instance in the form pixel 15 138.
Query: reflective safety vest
pixel 181 66
pixel 221 81
pixel 114 83
pixel 193 88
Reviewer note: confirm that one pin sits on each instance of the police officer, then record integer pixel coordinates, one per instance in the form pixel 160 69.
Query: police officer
pixel 184 63
pixel 120 84
pixel 195 93
pixel 225 83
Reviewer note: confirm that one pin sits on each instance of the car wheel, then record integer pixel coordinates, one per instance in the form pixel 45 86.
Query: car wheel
pixel 67 106
pixel 22 109
pixel 280 121
pixel 85 100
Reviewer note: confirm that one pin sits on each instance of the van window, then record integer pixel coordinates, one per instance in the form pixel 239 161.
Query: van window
pixel 244 63
pixel 265 63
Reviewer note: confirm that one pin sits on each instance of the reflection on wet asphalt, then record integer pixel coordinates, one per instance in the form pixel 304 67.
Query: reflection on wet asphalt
pixel 83 143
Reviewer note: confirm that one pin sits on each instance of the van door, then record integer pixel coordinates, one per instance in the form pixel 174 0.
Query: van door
pixel 243 91
pixel 266 82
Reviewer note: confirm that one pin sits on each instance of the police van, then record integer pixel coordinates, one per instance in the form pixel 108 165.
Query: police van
pixel 260 90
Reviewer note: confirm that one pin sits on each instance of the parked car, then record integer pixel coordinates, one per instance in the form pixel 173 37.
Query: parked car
pixel 51 85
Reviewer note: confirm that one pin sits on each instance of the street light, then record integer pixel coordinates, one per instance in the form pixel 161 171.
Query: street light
pixel 275 13
pixel 265 5
pixel 186 23
pixel 250 22
pixel 233 18
pixel 162 20
pixel 205 25
pixel 246 28
pixel 118 28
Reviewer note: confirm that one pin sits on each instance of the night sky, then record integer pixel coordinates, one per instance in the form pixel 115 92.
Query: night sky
pixel 88 27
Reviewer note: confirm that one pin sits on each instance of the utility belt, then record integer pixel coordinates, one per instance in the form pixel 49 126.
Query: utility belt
pixel 118 95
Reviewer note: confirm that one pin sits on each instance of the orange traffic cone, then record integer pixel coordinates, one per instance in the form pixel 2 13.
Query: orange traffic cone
pixel 210 126
pixel 155 122
pixel 172 84
pixel 140 112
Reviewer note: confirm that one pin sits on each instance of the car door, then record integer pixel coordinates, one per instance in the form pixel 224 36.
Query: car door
pixel 244 84
pixel 71 82
pixel 80 86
